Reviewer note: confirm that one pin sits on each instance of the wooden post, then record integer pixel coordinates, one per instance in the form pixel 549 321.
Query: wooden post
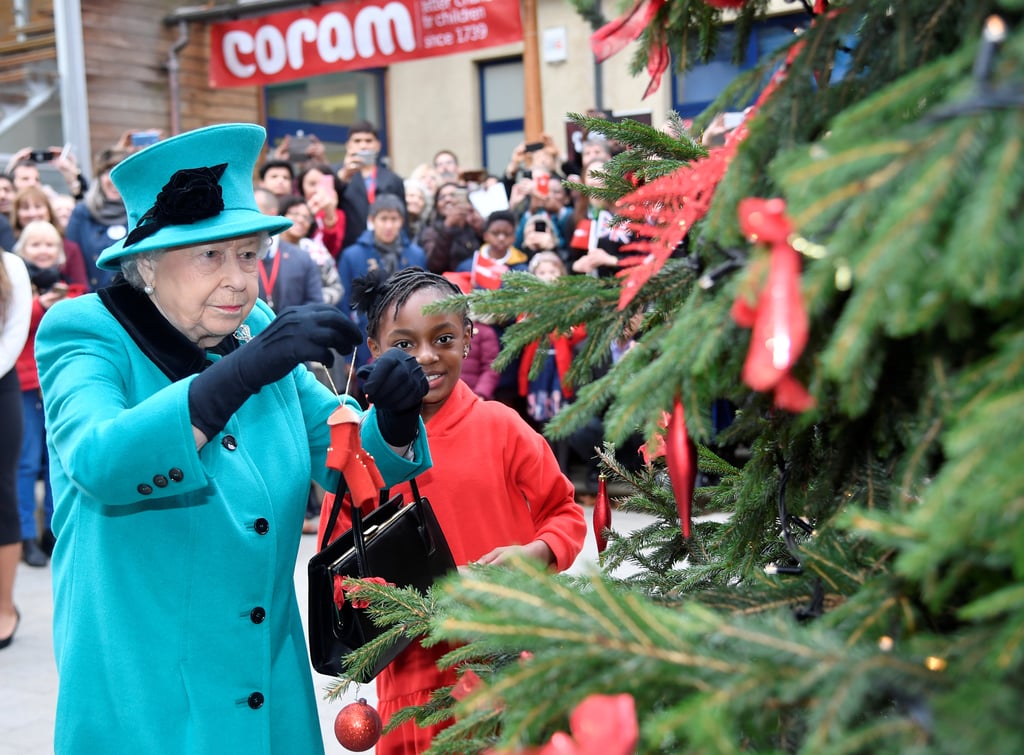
pixel 534 109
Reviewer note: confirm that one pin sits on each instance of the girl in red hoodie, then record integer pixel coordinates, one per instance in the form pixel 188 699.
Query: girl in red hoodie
pixel 495 485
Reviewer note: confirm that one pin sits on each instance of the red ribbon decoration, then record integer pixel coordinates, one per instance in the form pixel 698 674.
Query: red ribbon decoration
pixel 602 514
pixel 616 34
pixel 779 320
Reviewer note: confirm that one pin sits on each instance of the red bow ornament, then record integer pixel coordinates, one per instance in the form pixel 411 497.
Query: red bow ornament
pixel 778 319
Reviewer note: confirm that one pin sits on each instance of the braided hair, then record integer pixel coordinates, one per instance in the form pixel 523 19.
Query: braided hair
pixel 374 292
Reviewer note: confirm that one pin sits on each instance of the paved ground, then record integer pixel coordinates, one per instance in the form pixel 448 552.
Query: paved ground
pixel 28 677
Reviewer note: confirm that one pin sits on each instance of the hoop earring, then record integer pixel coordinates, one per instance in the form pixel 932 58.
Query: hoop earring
pixel 149 290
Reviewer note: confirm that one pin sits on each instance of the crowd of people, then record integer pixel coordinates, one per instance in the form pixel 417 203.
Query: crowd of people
pixel 302 257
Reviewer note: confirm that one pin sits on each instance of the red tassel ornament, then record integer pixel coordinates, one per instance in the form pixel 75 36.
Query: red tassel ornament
pixel 602 514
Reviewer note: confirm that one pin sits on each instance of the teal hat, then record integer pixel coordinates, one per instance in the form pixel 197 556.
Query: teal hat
pixel 190 189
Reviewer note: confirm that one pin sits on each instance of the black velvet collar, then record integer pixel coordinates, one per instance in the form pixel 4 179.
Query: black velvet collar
pixel 166 346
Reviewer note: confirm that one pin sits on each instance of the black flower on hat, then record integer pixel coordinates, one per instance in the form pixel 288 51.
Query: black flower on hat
pixel 192 194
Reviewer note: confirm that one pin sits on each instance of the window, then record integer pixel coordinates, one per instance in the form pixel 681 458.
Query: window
pixel 326 106
pixel 501 110
pixel 694 90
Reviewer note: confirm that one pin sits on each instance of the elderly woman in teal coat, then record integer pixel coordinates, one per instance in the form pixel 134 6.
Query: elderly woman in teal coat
pixel 183 431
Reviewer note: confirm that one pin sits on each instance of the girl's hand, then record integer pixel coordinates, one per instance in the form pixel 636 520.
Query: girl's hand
pixel 538 550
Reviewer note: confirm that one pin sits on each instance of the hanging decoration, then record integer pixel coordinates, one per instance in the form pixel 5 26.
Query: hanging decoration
pixel 680 452
pixel 681 458
pixel 358 726
pixel 778 319
pixel 602 514
pixel 346 453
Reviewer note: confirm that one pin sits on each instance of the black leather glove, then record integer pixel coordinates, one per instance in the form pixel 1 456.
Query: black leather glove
pixel 395 385
pixel 297 335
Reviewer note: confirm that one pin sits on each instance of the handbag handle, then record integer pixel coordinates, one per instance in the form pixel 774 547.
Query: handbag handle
pixel 358 540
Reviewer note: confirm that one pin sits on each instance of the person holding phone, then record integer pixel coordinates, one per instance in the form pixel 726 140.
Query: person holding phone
pixel 454 232
pixel 100 219
pixel 41 247
pixel 363 179
pixel 320 188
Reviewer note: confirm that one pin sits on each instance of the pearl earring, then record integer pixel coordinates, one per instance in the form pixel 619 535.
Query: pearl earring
pixel 149 290
pixel 465 352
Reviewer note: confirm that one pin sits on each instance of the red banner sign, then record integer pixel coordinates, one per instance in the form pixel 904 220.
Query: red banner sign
pixel 352 35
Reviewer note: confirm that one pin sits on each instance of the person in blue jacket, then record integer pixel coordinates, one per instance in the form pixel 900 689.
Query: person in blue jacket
pixel 183 431
pixel 384 246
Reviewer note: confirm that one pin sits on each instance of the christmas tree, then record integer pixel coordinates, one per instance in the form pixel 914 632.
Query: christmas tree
pixel 844 274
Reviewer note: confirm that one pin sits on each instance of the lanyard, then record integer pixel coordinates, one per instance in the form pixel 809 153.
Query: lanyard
pixel 268 284
pixel 371 184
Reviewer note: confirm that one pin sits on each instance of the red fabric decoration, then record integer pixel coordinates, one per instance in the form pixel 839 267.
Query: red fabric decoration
pixel 600 725
pixel 681 458
pixel 352 587
pixel 347 455
pixel 339 591
pixel 657 63
pixel 659 442
pixel 602 514
pixel 778 319
pixel 468 683
pixel 615 35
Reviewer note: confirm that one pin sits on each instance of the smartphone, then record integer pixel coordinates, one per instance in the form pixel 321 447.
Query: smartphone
pixel 732 119
pixel 298 143
pixel 327 183
pixel 145 138
pixel 534 146
pixel 368 156
pixel 540 225
pixel 60 288
pixel 41 155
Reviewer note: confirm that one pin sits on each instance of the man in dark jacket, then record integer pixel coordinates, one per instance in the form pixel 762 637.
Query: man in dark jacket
pixel 364 179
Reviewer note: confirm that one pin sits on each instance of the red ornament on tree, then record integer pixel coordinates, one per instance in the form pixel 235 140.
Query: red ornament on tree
pixel 681 459
pixel 358 726
pixel 602 514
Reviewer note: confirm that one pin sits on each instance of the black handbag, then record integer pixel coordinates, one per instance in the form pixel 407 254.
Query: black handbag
pixel 402 544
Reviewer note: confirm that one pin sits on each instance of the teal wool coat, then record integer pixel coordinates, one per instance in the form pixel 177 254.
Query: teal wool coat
pixel 176 626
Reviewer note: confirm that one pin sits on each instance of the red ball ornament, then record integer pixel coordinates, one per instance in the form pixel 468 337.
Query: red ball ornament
pixel 358 726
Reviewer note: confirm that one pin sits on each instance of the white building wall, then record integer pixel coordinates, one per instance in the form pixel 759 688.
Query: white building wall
pixel 435 104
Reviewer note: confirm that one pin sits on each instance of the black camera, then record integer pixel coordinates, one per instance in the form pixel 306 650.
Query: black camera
pixel 41 155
